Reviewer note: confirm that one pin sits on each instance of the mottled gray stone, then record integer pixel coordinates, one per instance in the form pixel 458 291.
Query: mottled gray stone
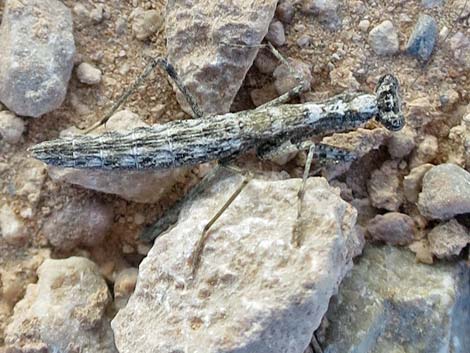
pixel 88 74
pixel 384 39
pixel 384 187
pixel 423 38
pixel 11 127
pixel 392 228
pixel 448 239
pixel 213 44
pixel 36 55
pixel 389 303
pixel 254 291
pixel 446 192
pixel 64 312
pixel 431 3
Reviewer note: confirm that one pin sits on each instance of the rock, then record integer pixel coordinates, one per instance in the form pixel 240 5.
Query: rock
pixel 124 286
pixel 212 45
pixel 420 112
pixel 412 182
pixel 138 186
pixel 265 62
pixel 392 228
pixel 448 98
pixel 431 3
pixel 389 303
pixel 245 296
pixel 423 38
pixel 11 127
pixel 276 34
pixel 401 143
pixel 422 251
pixel 448 239
pixel 325 10
pixel 36 55
pixel 12 228
pixel 446 192
pixel 64 312
pixel 426 151
pixel 384 187
pixel 364 25
pixel 285 11
pixel 263 95
pixel 96 15
pixel 343 78
pixel 145 23
pixel 88 74
pixel 457 150
pixel 460 45
pixel 78 223
pixel 285 80
pixel 29 180
pixel 384 39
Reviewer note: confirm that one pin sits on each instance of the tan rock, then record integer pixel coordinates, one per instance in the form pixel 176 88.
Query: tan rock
pixel 63 312
pixel 393 228
pixel 448 239
pixel 254 290
pixel 384 187
pixel 412 182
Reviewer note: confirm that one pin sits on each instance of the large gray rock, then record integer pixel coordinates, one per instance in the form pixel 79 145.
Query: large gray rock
pixel 254 291
pixel 64 312
pixel 212 44
pixel 36 55
pixel 389 303
pixel 446 192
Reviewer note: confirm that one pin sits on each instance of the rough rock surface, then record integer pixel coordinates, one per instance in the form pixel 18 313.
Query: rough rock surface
pixel 11 127
pixel 389 303
pixel 78 223
pixel 12 228
pixel 393 228
pixel 422 39
pixel 138 186
pixel 254 291
pixel 384 187
pixel 412 183
pixel 448 239
pixel 446 192
pixel 124 286
pixel 36 55
pixel 64 312
pixel 213 44
pixel 384 39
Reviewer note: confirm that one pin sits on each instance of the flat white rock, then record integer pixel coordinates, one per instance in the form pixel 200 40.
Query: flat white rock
pixel 254 291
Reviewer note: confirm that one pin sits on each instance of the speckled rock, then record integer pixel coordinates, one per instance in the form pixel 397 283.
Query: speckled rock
pixel 393 228
pixel 276 34
pixel 36 55
pixel 413 181
pixel 427 150
pixel 254 291
pixel 12 227
pixel 124 286
pixel 325 10
pixel 138 186
pixel 11 127
pixel 88 74
pixel 384 187
pixel 384 39
pixel 448 239
pixel 64 312
pixel 423 38
pixel 401 143
pixel 78 223
pixel 460 46
pixel 285 81
pixel 446 192
pixel 145 23
pixel 431 3
pixel 389 303
pixel 213 44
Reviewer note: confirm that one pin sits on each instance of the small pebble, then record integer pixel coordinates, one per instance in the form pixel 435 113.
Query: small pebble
pixel 124 286
pixel 392 228
pixel 448 239
pixel 88 74
pixel 446 192
pixel 325 10
pixel 423 38
pixel 96 14
pixel 412 183
pixel 426 152
pixel 285 12
pixel 401 143
pixel 384 39
pixel 384 187
pixel 364 25
pixel 120 26
pixel 286 81
pixel 304 41
pixel 276 34
pixel 11 127
pixel 422 250
pixel 12 228
pixel 146 23
pixel 460 45
pixel 431 3
pixel 265 62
